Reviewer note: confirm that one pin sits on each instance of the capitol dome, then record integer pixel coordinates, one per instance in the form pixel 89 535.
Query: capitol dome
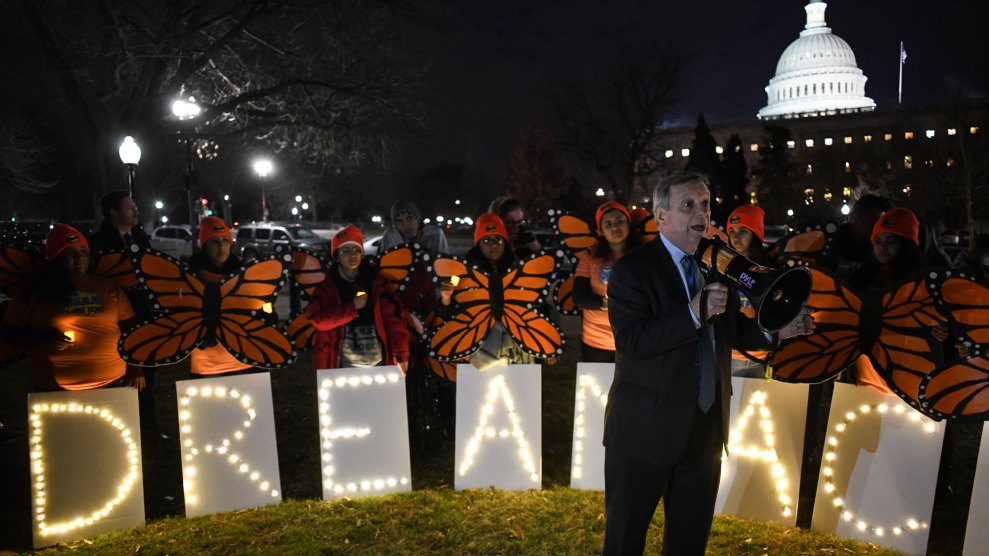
pixel 816 75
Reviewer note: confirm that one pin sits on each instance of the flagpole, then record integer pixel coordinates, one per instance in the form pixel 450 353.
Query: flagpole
pixel 899 94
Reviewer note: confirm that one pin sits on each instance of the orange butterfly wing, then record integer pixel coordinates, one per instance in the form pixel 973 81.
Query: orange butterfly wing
pixel 242 298
pixel 396 265
pixel 563 296
pixel 965 304
pixel 461 335
pixel 117 266
pixel 306 271
pixel 959 391
pixel 171 336
pixel 833 346
pixel 525 287
pixel 905 352
pixel 573 231
pixel 17 262
pixel 809 247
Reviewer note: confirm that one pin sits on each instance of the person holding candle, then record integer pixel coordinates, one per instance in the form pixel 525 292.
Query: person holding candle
pixel 67 320
pixel 358 322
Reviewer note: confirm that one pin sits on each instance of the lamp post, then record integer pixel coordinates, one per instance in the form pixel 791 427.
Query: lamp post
pixel 228 210
pixel 130 155
pixel 263 168
pixel 158 206
pixel 183 110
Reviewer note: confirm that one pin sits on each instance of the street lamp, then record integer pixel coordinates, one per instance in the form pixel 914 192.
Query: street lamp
pixel 158 206
pixel 130 155
pixel 599 192
pixel 263 168
pixel 228 207
pixel 184 110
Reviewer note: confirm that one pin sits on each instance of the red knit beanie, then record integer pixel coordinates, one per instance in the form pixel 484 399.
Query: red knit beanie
pixel 489 224
pixel 61 237
pixel 211 227
pixel 610 205
pixel 900 221
pixel 347 236
pixel 751 217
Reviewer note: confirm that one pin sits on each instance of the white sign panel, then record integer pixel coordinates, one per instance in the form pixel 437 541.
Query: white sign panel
pixel 85 449
pixel 363 432
pixel 760 479
pixel 587 461
pixel 878 471
pixel 977 533
pixel 227 436
pixel 499 428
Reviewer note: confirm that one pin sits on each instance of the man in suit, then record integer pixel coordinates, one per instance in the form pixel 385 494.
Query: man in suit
pixel 667 415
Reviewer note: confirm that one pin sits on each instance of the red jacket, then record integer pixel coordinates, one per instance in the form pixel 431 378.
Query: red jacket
pixel 329 315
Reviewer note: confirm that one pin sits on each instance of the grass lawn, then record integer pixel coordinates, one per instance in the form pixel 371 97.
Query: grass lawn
pixel 556 520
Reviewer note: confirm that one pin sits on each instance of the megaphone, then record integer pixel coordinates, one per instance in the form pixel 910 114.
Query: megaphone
pixel 777 295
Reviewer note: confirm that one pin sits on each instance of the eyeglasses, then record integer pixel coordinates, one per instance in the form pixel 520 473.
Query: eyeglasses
pixel 493 240
pixel 349 251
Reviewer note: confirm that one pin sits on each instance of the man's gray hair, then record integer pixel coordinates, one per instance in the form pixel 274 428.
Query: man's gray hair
pixel 661 195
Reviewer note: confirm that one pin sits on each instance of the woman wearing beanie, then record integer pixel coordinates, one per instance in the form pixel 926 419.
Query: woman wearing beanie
pixel 746 231
pixel 358 322
pixel 213 263
pixel 590 288
pixel 68 321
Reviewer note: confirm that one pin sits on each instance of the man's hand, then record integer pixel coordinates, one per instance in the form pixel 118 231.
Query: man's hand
pixel 802 325
pixel 136 382
pixel 717 301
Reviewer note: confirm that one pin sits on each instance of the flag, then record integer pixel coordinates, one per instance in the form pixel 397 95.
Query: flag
pixel 903 55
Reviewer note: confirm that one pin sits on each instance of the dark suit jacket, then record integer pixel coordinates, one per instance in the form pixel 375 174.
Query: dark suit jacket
pixel 654 394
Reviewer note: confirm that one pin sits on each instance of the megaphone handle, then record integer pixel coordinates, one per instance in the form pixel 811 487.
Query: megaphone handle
pixel 705 318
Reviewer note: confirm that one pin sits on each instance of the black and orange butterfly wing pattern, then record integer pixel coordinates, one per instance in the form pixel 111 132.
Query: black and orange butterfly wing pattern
pixel 464 332
pixel 834 345
pixel 648 229
pixel 396 265
pixel 178 298
pixel 563 296
pixel 573 231
pixel 306 271
pixel 905 352
pixel 244 298
pixel 17 262
pixel 960 389
pixel 117 266
pixel 524 289
pixel 812 246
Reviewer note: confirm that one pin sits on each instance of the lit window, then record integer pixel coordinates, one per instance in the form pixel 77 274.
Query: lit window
pixel 828 141
pixel 908 135
pixel 810 169
pixel 929 163
pixel 754 147
pixel 848 140
pixel 719 149
pixel 889 164
pixel 952 131
pixel 908 162
pixel 973 130
pixel 907 189
pixel 888 137
pixel 791 144
pixel 868 138
pixel 847 192
pixel 929 133
pixel 809 143
pixel 950 162
pixel 827 195
pixel 848 168
pixel 669 153
pixel 685 152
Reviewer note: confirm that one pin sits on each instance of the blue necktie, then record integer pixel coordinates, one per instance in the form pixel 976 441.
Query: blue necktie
pixel 708 365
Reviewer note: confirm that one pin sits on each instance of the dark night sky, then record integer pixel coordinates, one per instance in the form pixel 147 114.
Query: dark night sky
pixel 494 64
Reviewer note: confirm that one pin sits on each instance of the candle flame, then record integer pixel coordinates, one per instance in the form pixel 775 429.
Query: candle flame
pixel 266 308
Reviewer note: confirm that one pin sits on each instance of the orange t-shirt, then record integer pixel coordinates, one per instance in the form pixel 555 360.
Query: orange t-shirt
pixel 596 329
pixel 214 360
pixel 92 315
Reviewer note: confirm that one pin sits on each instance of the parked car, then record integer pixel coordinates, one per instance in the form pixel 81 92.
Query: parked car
pixel 259 239
pixel 175 240
pixel 372 246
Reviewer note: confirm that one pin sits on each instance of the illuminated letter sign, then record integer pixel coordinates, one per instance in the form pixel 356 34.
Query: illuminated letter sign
pixel 499 428
pixel 879 470
pixel 977 534
pixel 760 478
pixel 85 453
pixel 227 435
pixel 363 432
pixel 587 463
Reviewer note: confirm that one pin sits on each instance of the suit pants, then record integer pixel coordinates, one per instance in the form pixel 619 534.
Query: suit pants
pixel 688 487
